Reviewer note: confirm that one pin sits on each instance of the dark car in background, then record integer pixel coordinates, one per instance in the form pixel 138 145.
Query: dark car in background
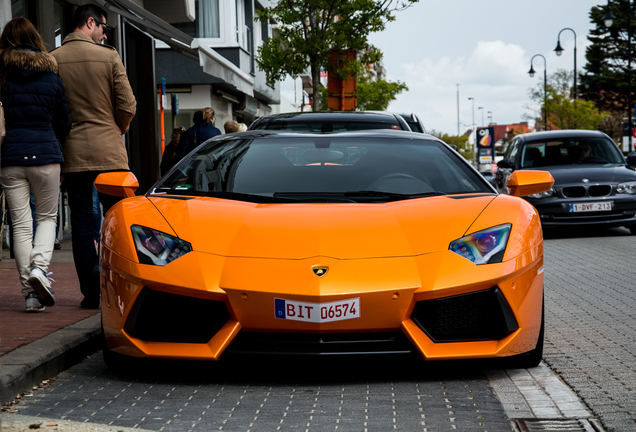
pixel 330 121
pixel 414 122
pixel 594 183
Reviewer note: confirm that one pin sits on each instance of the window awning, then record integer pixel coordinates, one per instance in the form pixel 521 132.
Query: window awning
pixel 172 11
pixel 212 62
pixel 216 65
pixel 151 24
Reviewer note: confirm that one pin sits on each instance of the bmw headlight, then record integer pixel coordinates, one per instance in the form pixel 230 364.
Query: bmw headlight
pixel 543 194
pixel 627 187
pixel 156 247
pixel 483 247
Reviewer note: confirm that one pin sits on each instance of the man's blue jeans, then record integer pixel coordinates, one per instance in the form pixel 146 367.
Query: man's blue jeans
pixel 79 187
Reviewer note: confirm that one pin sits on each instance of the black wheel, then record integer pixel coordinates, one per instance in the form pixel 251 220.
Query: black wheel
pixel 531 358
pixel 116 362
pixel 632 229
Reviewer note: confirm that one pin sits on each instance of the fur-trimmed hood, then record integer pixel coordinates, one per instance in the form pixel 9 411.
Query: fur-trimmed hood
pixel 27 60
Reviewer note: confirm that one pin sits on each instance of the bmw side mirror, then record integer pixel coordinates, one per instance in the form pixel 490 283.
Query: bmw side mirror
pixel 505 163
pixel 631 159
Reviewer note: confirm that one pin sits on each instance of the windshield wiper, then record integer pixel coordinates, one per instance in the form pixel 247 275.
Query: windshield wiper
pixel 353 194
pixel 223 194
pixel 313 196
pixel 372 193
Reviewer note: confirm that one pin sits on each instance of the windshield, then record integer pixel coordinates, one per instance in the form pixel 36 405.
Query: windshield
pixel 322 169
pixel 305 124
pixel 569 151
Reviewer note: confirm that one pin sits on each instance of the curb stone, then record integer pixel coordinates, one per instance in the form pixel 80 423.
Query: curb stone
pixel 27 366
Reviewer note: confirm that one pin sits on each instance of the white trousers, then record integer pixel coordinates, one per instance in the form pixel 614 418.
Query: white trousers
pixel 44 181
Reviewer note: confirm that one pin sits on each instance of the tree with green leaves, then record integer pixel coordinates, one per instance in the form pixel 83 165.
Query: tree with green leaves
pixel 464 147
pixel 604 81
pixel 563 111
pixel 377 94
pixel 372 95
pixel 310 32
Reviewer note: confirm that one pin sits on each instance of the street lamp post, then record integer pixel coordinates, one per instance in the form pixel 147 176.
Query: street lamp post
pixel 458 122
pixel 531 72
pixel 482 115
pixel 559 51
pixel 474 134
pixel 490 117
pixel 609 20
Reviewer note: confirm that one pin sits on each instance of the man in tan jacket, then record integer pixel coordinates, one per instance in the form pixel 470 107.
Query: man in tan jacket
pixel 101 105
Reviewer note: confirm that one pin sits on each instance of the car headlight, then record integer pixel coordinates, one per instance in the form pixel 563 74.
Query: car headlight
pixel 543 194
pixel 483 247
pixel 156 247
pixel 627 187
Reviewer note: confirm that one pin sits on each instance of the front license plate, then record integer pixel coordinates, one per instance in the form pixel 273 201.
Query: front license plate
pixel 591 207
pixel 317 312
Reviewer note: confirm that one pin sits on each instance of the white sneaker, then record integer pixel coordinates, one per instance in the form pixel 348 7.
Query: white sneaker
pixel 32 303
pixel 39 281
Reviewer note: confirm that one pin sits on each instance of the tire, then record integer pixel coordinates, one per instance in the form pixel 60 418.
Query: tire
pixel 114 361
pixel 531 358
pixel 632 229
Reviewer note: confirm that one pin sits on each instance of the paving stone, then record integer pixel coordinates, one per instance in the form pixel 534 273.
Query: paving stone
pixel 590 298
pixel 89 392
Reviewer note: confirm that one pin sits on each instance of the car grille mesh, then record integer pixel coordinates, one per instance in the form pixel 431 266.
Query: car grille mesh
pixel 483 315
pixel 600 190
pixel 574 192
pixel 582 191
pixel 320 343
pixel 158 316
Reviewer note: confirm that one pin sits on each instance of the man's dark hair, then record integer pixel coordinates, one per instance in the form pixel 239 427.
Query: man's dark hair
pixel 84 12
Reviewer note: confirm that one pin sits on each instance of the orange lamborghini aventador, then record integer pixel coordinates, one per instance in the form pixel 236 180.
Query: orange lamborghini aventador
pixel 336 243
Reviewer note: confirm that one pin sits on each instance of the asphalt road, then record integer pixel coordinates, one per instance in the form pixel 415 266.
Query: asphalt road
pixel 590 342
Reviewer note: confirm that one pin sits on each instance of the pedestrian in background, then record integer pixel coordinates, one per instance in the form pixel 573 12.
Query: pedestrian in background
pixel 242 127
pixel 171 152
pixel 231 126
pixel 200 132
pixel 101 105
pixel 197 118
pixel 37 122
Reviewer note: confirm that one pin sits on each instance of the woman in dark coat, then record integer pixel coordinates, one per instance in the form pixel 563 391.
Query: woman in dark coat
pixel 37 123
pixel 199 133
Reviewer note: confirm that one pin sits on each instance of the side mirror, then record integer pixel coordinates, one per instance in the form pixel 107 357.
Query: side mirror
pixel 505 163
pixel 120 184
pixel 631 159
pixel 453 146
pixel 528 182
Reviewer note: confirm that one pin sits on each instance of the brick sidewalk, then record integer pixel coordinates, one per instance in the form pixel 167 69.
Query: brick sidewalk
pixel 17 327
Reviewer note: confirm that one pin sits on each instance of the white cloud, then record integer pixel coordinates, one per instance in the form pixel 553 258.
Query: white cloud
pixel 495 74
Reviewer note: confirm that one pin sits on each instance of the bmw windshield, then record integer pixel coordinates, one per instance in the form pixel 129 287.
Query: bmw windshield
pixel 568 151
pixel 311 168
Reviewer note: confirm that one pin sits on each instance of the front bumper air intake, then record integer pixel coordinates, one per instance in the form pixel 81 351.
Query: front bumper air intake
pixel 158 316
pixel 477 316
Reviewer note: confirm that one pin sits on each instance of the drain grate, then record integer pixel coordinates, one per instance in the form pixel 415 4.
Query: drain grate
pixel 558 425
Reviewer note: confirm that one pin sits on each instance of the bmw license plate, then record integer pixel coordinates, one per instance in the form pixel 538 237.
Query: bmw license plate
pixel 317 312
pixel 591 207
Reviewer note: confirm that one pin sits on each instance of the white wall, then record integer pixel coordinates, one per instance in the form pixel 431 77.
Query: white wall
pixel 200 98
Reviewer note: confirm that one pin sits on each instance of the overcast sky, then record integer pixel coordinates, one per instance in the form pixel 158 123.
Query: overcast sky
pixel 484 46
